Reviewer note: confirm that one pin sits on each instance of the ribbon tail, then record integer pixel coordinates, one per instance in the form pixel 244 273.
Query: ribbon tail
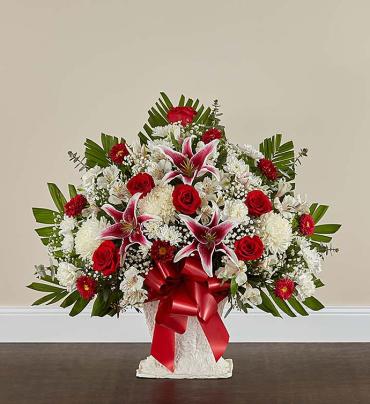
pixel 217 335
pixel 163 346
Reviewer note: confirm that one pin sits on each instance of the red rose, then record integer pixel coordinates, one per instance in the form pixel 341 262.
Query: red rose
pixel 306 225
pixel 162 251
pixel 258 203
pixel 184 114
pixel 141 182
pixel 211 134
pixel 75 206
pixel 186 199
pixel 118 153
pixel 106 258
pixel 268 169
pixel 284 288
pixel 86 287
pixel 248 248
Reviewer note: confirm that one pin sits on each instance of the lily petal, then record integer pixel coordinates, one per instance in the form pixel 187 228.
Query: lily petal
pixel 186 147
pixel 228 251
pixel 220 231
pixel 201 156
pixel 215 217
pixel 176 157
pixel 205 254
pixel 114 232
pixel 137 237
pixel 209 169
pixel 112 212
pixel 129 215
pixel 170 176
pixel 197 229
pixel 145 218
pixel 185 251
pixel 123 249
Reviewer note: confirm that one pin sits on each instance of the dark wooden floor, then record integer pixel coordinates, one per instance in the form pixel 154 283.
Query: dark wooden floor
pixel 263 373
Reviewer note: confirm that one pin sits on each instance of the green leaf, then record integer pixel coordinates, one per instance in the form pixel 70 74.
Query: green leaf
pixel 281 304
pixel 70 299
pixel 72 191
pixel 297 306
pixel 45 216
pixel 318 283
pixel 327 228
pixel 233 287
pixel 44 299
pixel 313 304
pixel 45 231
pixel 95 155
pixel 58 297
pixel 100 305
pixel 243 306
pixel 108 142
pixel 267 305
pixel 43 287
pixel 319 212
pixel 57 196
pixel 182 101
pixel 166 100
pixel 228 311
pixel 320 238
pixel 78 306
pixel 313 208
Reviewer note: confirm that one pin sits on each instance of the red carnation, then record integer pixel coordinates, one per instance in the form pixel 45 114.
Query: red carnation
pixel 106 258
pixel 284 288
pixel 258 203
pixel 118 152
pixel 162 251
pixel 186 199
pixel 184 114
pixel 211 134
pixel 141 182
pixel 268 169
pixel 249 248
pixel 86 287
pixel 306 225
pixel 75 206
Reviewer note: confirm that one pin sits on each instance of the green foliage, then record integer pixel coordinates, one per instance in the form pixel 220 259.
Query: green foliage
pixel 233 287
pixel 95 155
pixel 320 233
pixel 79 305
pixel 282 155
pixel 281 303
pixel 267 305
pixel 297 306
pixel 72 191
pixel 313 304
pixel 55 293
pixel 70 299
pixel 108 142
pixel 57 196
pixel 45 216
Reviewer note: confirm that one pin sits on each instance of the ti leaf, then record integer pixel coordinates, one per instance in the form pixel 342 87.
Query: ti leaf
pixel 267 305
pixel 44 216
pixel 57 196
pixel 313 304
pixel 79 305
pixel 297 306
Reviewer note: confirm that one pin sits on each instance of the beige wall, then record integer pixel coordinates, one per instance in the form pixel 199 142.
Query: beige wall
pixel 70 69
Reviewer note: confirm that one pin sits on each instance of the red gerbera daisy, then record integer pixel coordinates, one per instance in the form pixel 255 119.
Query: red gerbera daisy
pixel 118 153
pixel 284 288
pixel 86 287
pixel 75 206
pixel 162 251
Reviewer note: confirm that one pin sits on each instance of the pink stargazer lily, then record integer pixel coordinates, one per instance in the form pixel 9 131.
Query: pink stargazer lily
pixel 128 226
pixel 190 165
pixel 208 239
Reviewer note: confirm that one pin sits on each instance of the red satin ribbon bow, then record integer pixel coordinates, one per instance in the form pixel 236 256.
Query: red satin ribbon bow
pixel 183 290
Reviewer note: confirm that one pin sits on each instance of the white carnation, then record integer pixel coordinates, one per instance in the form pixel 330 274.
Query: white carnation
pixel 159 203
pixel 235 166
pixel 275 232
pixel 235 210
pixel 251 152
pixel 305 286
pixel 311 257
pixel 88 236
pixel 67 275
pixel 68 243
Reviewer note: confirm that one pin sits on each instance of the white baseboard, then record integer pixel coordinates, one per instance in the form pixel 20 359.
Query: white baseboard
pixel 36 324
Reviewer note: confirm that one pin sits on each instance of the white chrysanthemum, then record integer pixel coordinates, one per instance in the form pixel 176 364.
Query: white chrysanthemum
pixel 67 224
pixel 305 286
pixel 166 131
pixel 87 237
pixel 170 234
pixel 67 275
pixel 251 295
pixel 152 228
pixel 231 270
pixel 251 152
pixel 311 257
pixel 159 203
pixel 132 287
pixel 235 166
pixel 68 242
pixel 275 232
pixel 235 210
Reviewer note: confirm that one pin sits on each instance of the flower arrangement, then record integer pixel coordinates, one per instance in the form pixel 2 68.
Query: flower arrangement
pixel 184 199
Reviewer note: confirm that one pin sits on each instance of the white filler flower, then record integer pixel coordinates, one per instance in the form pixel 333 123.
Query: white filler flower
pixel 275 232
pixel 87 237
pixel 67 274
